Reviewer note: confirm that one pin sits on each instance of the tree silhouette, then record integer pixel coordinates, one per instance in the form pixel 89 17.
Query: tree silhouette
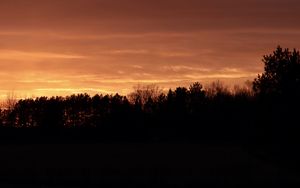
pixel 217 89
pixel 197 97
pixel 142 94
pixel 53 110
pixel 281 74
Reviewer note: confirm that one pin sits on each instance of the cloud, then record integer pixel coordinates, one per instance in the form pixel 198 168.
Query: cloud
pixel 177 68
pixel 31 56
pixel 126 51
pixel 73 90
pixel 61 47
pixel 42 81
pixel 176 54
pixel 137 66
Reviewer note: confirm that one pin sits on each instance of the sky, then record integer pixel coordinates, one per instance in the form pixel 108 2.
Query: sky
pixel 63 47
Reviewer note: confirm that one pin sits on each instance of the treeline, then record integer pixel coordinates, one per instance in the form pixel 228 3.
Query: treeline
pixel 144 104
pixel 148 112
pixel 266 111
pixel 145 112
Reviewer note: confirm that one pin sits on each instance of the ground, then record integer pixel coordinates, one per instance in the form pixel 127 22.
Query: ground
pixel 136 165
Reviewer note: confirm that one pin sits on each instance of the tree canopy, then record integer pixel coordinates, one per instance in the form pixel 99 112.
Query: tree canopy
pixel 281 75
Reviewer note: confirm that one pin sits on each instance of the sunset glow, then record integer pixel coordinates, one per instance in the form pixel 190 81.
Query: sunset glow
pixel 63 47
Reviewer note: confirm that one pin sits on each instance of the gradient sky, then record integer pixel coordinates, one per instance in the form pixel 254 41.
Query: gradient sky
pixel 60 47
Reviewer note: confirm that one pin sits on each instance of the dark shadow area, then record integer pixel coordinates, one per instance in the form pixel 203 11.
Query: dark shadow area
pixel 187 137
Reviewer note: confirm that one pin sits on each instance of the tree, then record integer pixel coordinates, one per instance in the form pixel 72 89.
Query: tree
pixel 142 94
pixel 197 96
pixel 281 74
pixel 181 99
pixel 11 101
pixel 196 91
pixel 217 89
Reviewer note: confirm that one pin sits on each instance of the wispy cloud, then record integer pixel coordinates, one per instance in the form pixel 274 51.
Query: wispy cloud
pixel 74 90
pixel 177 68
pixel 96 36
pixel 24 55
pixel 126 51
pixel 36 80
pixel 137 66
pixel 219 76
pixel 176 54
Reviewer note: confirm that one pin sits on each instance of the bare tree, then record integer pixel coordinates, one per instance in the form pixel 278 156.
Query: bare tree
pixel 245 89
pixel 143 93
pixel 216 88
pixel 11 101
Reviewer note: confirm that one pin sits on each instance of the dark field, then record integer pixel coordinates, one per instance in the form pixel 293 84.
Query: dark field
pixel 136 165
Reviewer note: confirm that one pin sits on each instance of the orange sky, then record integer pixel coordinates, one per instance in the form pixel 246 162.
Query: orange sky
pixel 60 47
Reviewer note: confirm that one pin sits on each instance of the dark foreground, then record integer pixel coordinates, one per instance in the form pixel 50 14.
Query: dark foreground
pixel 137 165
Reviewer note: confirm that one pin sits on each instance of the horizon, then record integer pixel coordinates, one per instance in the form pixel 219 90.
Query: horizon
pixel 64 47
pixel 13 96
